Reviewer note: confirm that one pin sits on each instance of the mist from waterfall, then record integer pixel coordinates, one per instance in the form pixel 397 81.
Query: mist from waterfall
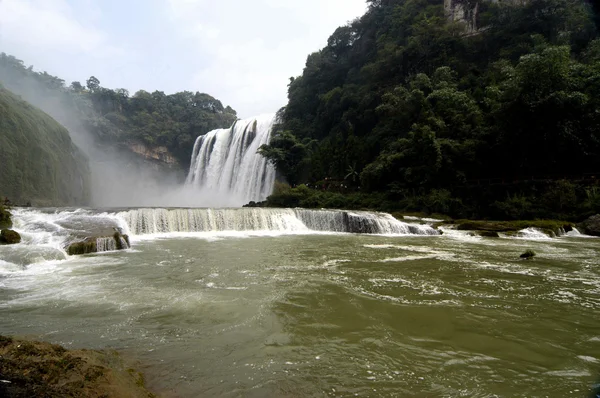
pixel 226 169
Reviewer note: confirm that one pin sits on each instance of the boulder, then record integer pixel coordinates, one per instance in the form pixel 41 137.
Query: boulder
pixel 83 247
pixel 96 244
pixel 9 237
pixel 488 234
pixel 5 221
pixel 528 255
pixel 591 226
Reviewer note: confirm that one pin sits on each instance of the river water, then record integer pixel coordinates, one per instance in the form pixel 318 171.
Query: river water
pixel 307 314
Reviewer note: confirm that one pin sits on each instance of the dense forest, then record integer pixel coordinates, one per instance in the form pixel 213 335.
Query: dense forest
pixel 114 117
pixel 38 161
pixel 405 110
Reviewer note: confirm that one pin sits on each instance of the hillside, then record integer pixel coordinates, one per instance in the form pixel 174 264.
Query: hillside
pixel 38 161
pixel 425 112
pixel 152 125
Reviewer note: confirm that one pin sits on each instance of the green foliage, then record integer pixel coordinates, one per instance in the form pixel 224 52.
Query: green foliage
pixel 515 207
pixel 420 111
pixel 116 117
pixel 286 153
pixel 38 161
pixel 592 199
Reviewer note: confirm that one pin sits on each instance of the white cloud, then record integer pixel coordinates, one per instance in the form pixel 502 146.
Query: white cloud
pixel 241 52
pixel 246 51
pixel 50 26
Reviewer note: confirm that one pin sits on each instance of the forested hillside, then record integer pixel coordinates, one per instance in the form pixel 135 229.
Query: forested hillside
pixel 404 104
pixel 38 161
pixel 113 116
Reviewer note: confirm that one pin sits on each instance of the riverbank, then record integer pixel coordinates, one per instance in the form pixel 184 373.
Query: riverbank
pixel 33 368
pixel 487 206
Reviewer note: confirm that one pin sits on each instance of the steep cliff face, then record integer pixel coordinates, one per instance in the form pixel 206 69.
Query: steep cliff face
pixel 467 11
pixel 38 161
pixel 464 11
pixel 159 154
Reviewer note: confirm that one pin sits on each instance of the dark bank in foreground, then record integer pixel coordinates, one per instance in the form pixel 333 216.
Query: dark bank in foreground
pixel 38 369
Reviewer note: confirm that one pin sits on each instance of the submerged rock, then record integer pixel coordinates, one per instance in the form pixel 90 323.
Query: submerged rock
pixel 9 237
pixel 591 226
pixel 488 234
pixel 99 244
pixel 528 255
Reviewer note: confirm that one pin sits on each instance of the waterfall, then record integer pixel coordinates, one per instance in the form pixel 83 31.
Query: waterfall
pixel 225 162
pixel 154 221
pixel 106 244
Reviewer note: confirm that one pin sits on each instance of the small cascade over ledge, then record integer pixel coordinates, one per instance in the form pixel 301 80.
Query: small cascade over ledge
pixel 225 162
pixel 160 221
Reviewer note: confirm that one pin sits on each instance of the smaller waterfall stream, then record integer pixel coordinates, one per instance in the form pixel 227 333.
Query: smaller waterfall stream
pixel 160 221
pixel 225 162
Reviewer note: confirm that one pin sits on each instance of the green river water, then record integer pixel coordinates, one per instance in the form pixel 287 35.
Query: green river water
pixel 337 315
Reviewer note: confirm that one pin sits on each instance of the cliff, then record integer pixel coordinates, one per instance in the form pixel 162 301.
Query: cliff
pixel 156 154
pixel 38 161
pixel 467 11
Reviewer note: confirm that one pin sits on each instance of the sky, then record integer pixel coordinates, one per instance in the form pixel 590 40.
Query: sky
pixel 242 52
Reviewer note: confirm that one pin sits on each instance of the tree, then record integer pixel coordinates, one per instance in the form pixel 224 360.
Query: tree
pixel 76 87
pixel 92 83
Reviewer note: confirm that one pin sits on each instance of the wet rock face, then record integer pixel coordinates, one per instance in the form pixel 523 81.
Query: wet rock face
pixel 99 244
pixel 9 237
pixel 591 226
pixel 5 221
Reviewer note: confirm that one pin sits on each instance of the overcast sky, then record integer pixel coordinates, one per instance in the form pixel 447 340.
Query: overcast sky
pixel 242 52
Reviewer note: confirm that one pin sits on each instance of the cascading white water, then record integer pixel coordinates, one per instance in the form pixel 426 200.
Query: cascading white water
pixel 106 244
pixel 225 163
pixel 153 221
pixel 533 234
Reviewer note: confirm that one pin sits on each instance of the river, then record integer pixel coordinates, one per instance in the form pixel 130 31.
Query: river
pixel 308 314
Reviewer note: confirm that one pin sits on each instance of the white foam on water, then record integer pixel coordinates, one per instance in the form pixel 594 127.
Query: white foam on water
pixel 532 234
pixel 405 258
pixel 575 233
pixel 384 246
pixel 465 236
pixel 423 219
pixel 589 359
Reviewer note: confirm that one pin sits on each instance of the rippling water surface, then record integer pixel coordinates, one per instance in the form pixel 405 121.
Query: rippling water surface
pixel 342 315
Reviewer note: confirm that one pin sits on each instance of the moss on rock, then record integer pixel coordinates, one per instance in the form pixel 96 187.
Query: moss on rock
pixel 5 220
pixel 38 369
pixel 84 247
pixel 90 245
pixel 9 237
pixel 550 227
pixel 488 234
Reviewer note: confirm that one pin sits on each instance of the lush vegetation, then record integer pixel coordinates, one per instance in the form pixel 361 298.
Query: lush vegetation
pixel 116 117
pixel 38 161
pixel 403 108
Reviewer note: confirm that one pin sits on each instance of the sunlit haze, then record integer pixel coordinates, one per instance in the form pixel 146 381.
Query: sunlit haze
pixel 241 52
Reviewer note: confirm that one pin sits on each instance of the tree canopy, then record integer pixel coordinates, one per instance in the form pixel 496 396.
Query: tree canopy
pixel 414 104
pixel 113 116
